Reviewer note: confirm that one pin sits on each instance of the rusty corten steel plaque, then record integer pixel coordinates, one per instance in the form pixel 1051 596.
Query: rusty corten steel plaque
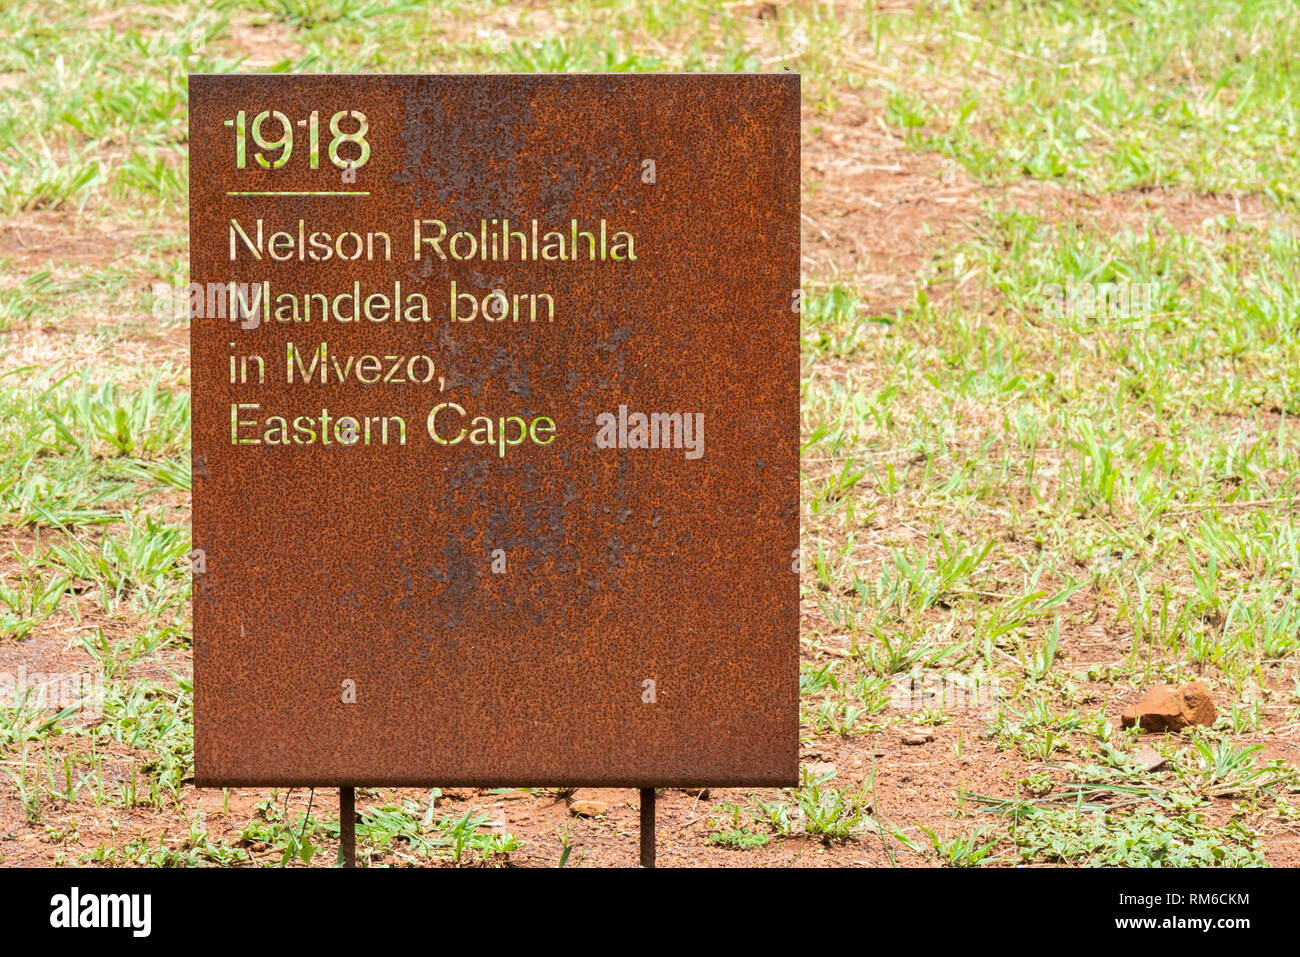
pixel 546 534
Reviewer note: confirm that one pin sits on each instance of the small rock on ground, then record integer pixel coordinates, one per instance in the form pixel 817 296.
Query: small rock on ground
pixel 1166 708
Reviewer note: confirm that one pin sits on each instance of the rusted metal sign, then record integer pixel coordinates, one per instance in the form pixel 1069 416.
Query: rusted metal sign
pixel 495 429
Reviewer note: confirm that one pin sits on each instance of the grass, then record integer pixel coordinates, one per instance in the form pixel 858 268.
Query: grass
pixel 1064 505
pixel 1116 96
pixel 1102 839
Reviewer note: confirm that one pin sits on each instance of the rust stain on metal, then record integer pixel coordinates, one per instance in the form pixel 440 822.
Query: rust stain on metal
pixel 644 629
